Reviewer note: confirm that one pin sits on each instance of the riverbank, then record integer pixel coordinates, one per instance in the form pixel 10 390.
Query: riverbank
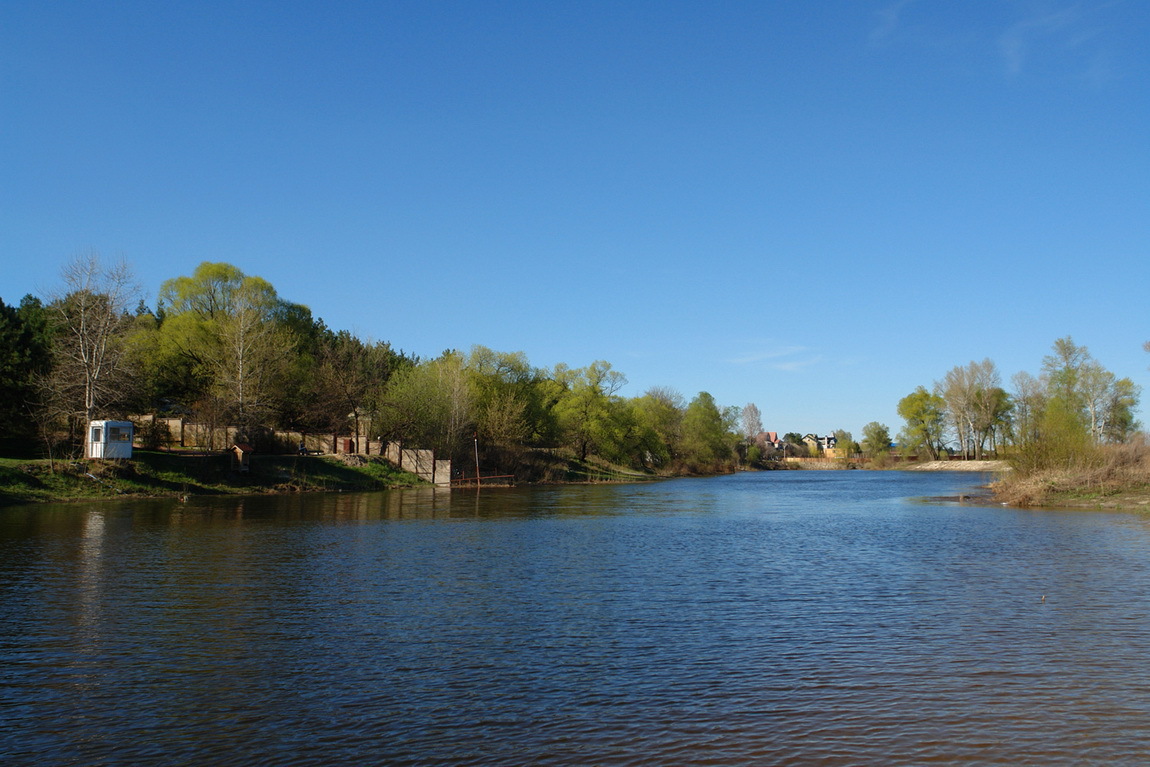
pixel 172 475
pixel 1109 477
pixel 166 475
pixel 1099 489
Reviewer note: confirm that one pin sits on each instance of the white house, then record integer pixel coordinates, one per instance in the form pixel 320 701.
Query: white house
pixel 110 439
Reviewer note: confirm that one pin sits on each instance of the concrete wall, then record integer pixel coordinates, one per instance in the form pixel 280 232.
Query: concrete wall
pixel 198 436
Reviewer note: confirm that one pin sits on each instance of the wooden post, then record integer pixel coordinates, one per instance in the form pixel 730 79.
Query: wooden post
pixel 477 482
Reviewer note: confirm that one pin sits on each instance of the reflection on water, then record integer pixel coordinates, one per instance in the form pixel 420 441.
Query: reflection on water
pixel 785 618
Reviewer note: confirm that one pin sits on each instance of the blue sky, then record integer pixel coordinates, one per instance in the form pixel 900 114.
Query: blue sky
pixel 815 207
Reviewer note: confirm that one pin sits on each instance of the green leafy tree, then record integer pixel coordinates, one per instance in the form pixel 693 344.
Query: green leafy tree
pixel 661 411
pixel 793 444
pixel 845 443
pixel 876 439
pixel 510 399
pixel 993 409
pixel 238 337
pixel 583 405
pixel 1121 424
pixel 924 414
pixel 25 357
pixel 1065 441
pixel 430 405
pixel 707 442
pixel 1062 371
pixel 1083 387
pixel 347 382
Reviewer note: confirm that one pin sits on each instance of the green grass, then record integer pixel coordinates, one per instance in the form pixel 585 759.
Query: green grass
pixel 562 466
pixel 154 474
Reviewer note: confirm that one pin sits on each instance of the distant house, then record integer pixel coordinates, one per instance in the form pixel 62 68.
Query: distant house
pixel 766 439
pixel 824 444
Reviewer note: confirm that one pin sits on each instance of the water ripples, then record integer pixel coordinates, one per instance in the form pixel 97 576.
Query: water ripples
pixel 799 618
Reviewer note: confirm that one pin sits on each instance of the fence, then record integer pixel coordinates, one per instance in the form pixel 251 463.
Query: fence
pixel 173 433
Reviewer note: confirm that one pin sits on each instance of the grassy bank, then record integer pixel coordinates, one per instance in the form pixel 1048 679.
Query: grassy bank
pixel 160 474
pixel 1111 477
pixel 562 466
pixel 156 475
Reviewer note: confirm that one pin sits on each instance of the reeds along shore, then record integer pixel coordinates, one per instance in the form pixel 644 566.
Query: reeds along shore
pixel 1109 476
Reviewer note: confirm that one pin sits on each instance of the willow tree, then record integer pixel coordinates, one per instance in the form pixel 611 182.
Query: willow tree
pixel 584 404
pixel 661 409
pixel 925 416
pixel 509 402
pixel 232 327
pixel 708 443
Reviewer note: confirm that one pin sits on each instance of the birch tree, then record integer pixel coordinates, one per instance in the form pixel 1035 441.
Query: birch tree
pixel 1085 389
pixel 976 405
pixel 1095 384
pixel 957 389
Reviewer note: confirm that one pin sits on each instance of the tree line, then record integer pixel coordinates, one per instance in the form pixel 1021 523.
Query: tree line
pixel 1073 405
pixel 223 348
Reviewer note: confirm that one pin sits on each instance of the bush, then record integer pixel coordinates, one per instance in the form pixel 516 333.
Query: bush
pixel 1041 473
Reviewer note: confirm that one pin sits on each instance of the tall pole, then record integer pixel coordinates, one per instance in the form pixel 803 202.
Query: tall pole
pixel 477 461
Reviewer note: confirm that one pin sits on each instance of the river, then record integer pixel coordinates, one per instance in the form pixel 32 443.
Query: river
pixel 781 618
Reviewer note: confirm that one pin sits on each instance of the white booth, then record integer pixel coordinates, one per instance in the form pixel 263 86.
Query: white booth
pixel 110 439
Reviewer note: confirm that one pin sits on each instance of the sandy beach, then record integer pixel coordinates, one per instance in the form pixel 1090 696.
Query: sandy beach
pixel 992 466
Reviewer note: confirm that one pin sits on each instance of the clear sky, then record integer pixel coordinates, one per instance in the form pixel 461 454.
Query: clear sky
pixel 815 207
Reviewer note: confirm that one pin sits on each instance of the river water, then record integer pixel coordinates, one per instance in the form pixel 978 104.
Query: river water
pixel 776 618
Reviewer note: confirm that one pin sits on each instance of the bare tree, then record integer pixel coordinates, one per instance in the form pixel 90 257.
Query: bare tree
pixel 957 388
pixel 752 421
pixel 91 319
